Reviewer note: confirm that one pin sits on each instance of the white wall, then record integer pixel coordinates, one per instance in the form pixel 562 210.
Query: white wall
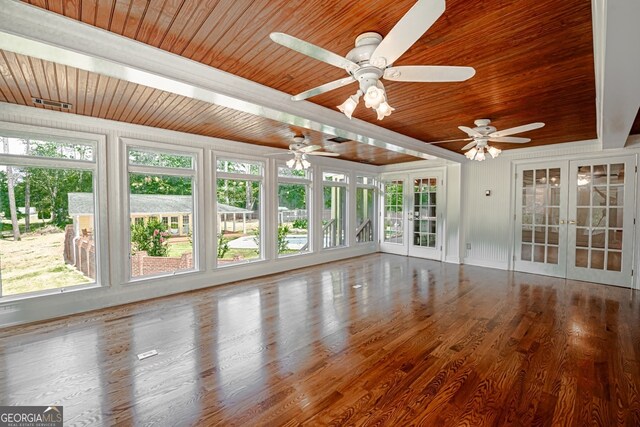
pixel 22 310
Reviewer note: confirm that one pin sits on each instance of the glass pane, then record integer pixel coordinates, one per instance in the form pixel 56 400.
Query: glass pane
pixel 286 172
pixel 584 196
pixel 44 147
pixel 527 178
pixel 554 177
pixel 238 219
pixel 527 216
pixel 365 180
pixel 616 195
pixel 541 177
pixel 293 219
pixel 582 237
pixel 334 177
pixel 393 212
pixel 154 158
pixel 600 175
pixel 598 217
pixel 527 234
pixel 553 216
pixel 365 204
pixel 540 235
pixel 598 237
pixel 554 196
pixel 525 253
pixel 156 199
pixel 582 258
pixel 552 255
pixel 615 239
pixel 599 196
pixel 538 253
pixel 432 240
pixel 552 237
pixel 616 174
pixel 55 229
pixel 583 217
pixel 615 218
pixel 244 167
pixel 614 261
pixel 334 216
pixel 597 260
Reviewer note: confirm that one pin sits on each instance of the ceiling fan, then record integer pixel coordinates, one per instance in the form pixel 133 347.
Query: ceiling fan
pixel 373 57
pixel 300 150
pixel 483 133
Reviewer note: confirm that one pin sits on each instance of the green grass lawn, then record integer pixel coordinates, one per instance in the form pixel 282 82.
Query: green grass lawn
pixel 36 263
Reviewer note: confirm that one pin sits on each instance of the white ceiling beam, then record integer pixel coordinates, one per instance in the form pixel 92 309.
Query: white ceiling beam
pixel 31 31
pixel 616 40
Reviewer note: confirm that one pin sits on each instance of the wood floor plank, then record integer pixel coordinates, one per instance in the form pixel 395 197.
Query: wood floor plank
pixel 377 340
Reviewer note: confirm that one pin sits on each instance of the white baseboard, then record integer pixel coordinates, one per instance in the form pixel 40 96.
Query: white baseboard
pixel 501 265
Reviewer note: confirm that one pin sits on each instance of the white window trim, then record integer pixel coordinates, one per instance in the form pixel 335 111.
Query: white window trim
pixel 99 168
pixel 266 223
pixel 349 211
pixel 123 215
pixel 308 182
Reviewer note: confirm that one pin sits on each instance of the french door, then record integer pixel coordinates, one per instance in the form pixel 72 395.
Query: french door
pixel 575 219
pixel 412 218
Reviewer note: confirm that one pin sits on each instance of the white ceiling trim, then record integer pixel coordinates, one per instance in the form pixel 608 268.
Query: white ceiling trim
pixel 616 42
pixel 31 31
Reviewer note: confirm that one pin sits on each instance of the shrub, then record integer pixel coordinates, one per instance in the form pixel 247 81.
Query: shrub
pixel 151 237
pixel 223 245
pixel 301 223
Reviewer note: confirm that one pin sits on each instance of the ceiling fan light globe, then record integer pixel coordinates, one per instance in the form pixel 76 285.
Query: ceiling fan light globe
pixel 480 156
pixel 493 151
pixel 471 154
pixel 384 110
pixel 291 163
pixel 305 164
pixel 373 97
pixel 350 104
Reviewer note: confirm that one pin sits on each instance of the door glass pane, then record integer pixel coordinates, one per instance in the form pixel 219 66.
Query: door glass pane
pixel 599 217
pixel 424 212
pixel 540 208
pixel 393 211
pixel 552 255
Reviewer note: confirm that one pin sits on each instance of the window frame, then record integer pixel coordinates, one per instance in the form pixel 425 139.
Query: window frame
pixel 265 223
pixel 308 182
pixel 374 186
pixel 347 209
pixel 196 174
pixel 98 167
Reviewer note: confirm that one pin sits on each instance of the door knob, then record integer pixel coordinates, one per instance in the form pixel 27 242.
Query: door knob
pixel 562 221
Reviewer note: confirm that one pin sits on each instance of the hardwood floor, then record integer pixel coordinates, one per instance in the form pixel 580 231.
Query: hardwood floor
pixel 378 340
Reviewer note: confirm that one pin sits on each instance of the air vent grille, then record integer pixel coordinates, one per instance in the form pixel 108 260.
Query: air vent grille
pixel 338 140
pixel 48 103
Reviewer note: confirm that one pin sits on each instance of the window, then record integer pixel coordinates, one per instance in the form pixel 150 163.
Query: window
pixel 161 190
pixel 47 212
pixel 365 209
pixel 334 214
pixel 293 211
pixel 239 201
pixel 393 211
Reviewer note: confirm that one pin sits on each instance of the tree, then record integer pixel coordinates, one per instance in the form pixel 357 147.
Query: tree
pixel 12 194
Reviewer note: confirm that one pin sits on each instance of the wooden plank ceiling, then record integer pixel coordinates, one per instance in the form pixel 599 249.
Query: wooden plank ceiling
pixel 534 58
pixel 91 94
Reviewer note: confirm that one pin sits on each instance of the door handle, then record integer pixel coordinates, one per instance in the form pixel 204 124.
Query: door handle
pixel 572 221
pixel 562 221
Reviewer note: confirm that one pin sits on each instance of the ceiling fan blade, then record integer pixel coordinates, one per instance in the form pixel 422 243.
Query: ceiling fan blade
pixel 314 51
pixel 517 129
pixel 469 131
pixel 469 145
pixel 428 73
pixel 284 153
pixel 407 31
pixel 323 153
pixel 323 88
pixel 450 140
pixel 510 139
pixel 309 148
